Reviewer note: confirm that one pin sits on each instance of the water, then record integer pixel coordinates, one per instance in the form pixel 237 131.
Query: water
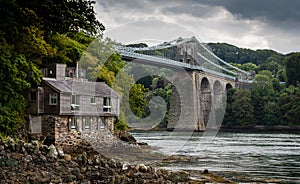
pixel 240 157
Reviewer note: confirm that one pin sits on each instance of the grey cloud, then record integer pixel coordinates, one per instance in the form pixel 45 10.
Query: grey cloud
pixel 196 10
pixel 271 10
pixel 275 24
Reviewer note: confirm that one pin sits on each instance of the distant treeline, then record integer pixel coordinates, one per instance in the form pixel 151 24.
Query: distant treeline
pixel 274 97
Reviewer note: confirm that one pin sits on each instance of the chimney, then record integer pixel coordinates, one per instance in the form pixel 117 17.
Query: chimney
pixel 60 71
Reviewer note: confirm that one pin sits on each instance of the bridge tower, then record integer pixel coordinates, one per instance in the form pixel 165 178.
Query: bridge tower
pixel 187 51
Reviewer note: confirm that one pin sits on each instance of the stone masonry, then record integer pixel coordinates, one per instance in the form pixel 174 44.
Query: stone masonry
pixel 206 95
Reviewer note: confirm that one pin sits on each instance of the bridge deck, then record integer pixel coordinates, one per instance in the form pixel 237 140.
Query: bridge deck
pixel 128 53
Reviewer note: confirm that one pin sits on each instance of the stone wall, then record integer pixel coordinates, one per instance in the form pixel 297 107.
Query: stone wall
pixel 110 123
pixel 48 129
pixel 56 130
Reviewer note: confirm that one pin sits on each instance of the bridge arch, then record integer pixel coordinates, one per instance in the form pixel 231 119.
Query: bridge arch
pixel 228 86
pixel 217 88
pixel 205 99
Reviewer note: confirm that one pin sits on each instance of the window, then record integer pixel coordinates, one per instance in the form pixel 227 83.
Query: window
pixel 93 100
pixel 32 96
pixel 106 104
pixel 86 123
pixel 100 124
pixel 53 99
pixel 72 123
pixel 75 102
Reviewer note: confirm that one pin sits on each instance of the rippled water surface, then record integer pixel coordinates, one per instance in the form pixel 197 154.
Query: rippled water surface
pixel 240 157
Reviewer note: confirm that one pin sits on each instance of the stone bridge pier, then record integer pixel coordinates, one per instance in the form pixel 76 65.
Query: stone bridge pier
pixel 198 102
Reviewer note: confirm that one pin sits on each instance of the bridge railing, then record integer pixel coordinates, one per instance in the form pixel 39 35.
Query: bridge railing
pixel 129 52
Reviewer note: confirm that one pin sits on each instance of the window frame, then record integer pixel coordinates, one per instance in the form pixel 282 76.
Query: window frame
pixel 73 123
pixel 107 104
pixel 53 96
pixel 86 123
pixel 93 100
pixel 75 102
pixel 100 124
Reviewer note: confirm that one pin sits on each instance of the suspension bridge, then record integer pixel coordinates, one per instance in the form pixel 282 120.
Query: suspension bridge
pixel 210 78
pixel 190 54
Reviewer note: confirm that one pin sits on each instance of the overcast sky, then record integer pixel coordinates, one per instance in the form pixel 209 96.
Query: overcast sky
pixel 255 24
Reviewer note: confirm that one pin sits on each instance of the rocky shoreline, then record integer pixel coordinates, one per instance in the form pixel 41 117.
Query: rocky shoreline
pixel 34 162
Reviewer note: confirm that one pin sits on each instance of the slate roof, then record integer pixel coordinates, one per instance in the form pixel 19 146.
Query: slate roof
pixel 81 87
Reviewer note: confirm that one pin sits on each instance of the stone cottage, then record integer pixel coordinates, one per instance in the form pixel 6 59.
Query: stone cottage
pixel 63 108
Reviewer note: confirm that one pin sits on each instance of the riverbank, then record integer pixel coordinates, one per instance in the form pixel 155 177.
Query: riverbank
pixel 236 129
pixel 33 162
pixel 260 128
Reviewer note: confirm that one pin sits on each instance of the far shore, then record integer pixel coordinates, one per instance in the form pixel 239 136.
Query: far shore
pixel 236 129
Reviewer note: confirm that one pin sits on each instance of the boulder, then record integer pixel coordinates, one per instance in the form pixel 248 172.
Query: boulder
pixel 52 151
pixel 28 158
pixel 44 149
pixel 60 152
pixel 126 136
pixel 35 146
pixel 142 168
pixel 10 144
pixel 112 163
pixel 67 157
pixel 20 146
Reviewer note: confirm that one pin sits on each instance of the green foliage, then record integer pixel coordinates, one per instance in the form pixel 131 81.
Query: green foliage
pixel 264 72
pixel 249 67
pixel 234 54
pixel 292 65
pixel 271 66
pixel 67 50
pixel 65 15
pixel 120 125
pixel 34 33
pixel 14 80
pixel 271 114
pixel 137 45
pixel 137 100
pixel 290 106
pixel 262 92
pixel 242 107
pixel 273 103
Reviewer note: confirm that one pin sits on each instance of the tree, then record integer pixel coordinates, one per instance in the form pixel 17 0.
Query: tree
pixel 271 114
pixel 266 73
pixel 14 78
pixel 242 107
pixel 137 100
pixel 65 16
pixel 67 50
pixel 262 92
pixel 292 66
pixel 271 66
pixel 249 67
pixel 21 47
pixel 290 105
